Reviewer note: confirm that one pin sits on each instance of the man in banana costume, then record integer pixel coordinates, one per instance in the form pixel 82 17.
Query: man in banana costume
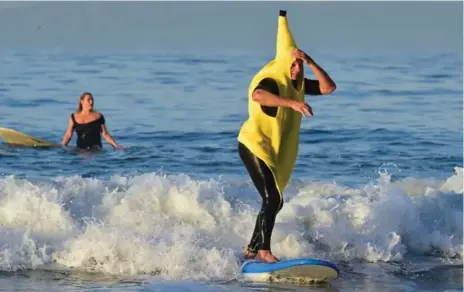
pixel 268 140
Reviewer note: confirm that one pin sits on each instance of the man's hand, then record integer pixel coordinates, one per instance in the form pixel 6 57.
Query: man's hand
pixel 299 54
pixel 302 108
pixel 326 84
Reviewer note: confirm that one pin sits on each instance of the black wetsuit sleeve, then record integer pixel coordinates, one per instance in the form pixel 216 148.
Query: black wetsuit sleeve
pixel 312 87
pixel 269 85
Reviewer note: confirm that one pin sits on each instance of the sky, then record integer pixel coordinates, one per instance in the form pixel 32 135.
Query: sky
pixel 218 25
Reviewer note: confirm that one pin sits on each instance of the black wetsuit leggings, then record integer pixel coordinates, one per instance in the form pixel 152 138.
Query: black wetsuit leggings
pixel 263 180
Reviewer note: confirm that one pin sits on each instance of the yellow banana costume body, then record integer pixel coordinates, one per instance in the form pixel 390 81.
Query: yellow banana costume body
pixel 275 139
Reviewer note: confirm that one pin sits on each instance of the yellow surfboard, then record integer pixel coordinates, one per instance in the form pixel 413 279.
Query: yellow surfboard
pixel 17 138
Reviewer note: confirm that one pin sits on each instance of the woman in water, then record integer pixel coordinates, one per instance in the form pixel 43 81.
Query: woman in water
pixel 89 126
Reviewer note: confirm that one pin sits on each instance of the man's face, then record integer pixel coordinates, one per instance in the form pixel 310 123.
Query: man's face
pixel 296 68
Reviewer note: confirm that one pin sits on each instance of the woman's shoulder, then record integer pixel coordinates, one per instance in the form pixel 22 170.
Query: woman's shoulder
pixel 99 116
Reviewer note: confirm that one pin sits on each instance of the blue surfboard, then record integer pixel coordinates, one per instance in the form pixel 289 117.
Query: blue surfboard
pixel 302 270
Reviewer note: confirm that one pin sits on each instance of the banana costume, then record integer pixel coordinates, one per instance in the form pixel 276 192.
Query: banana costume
pixel 275 139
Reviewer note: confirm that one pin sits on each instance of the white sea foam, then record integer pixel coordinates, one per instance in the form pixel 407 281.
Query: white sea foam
pixel 178 227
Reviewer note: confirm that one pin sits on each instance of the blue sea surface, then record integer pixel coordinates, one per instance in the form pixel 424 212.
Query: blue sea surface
pixel 377 188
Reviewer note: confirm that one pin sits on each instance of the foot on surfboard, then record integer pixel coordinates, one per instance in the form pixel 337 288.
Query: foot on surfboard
pixel 266 256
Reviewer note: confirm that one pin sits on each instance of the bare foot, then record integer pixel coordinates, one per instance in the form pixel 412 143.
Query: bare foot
pixel 266 256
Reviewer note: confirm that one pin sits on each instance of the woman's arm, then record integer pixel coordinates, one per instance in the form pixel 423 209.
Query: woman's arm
pixel 69 132
pixel 108 137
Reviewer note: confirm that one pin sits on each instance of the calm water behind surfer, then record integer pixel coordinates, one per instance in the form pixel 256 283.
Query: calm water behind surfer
pixel 268 140
pixel 89 126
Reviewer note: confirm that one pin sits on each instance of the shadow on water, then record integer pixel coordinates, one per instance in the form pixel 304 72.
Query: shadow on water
pixel 439 278
pixel 44 279
pixel 48 162
pixel 18 150
pixel 50 278
pixel 65 280
pixel 271 287
pixel 355 276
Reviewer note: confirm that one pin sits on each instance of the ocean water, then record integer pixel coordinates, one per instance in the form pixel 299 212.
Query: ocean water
pixel 377 188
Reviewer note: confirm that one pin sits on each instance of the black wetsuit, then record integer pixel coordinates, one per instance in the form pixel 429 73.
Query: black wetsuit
pixel 262 177
pixel 89 134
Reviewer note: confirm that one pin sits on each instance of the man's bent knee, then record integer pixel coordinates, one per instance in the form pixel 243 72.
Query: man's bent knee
pixel 273 205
